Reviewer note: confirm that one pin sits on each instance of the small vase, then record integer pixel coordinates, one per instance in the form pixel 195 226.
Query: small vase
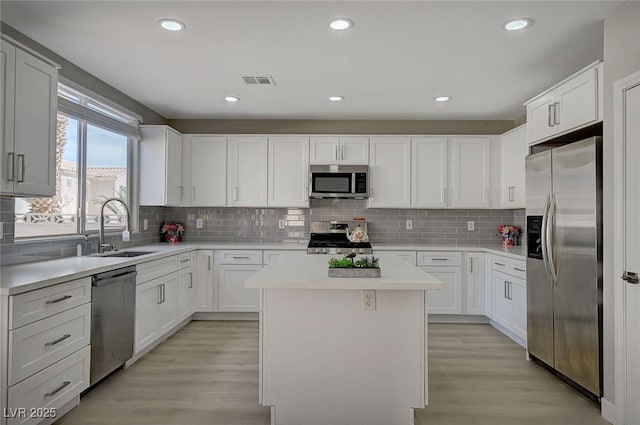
pixel 507 242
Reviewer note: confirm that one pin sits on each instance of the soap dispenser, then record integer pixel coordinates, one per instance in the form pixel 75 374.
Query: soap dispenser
pixel 86 246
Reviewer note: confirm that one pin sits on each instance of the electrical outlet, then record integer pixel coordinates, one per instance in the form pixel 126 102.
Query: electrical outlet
pixel 199 223
pixel 409 224
pixel 368 300
pixel 471 225
pixel 280 224
pixel 145 224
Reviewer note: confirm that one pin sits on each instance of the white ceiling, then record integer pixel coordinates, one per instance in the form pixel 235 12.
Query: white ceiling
pixel 390 65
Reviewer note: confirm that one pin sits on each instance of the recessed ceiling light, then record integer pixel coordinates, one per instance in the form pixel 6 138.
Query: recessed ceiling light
pixel 336 98
pixel 442 98
pixel 231 98
pixel 517 24
pixel 340 24
pixel 172 25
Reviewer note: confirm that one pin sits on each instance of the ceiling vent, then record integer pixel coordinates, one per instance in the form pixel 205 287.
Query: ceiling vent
pixel 268 80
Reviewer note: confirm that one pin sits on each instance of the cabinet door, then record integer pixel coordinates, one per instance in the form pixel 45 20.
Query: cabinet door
pixel 35 125
pixel 470 172
pixel 175 189
pixel 429 172
pixel 231 293
pixel 519 301
pixel 168 308
pixel 408 256
pixel 475 282
pixel 208 163
pixel 204 281
pixel 148 297
pixel 324 150
pixel 288 172
pixel 7 92
pixel 577 101
pixel 502 305
pixel 184 294
pixel 513 151
pixel 540 120
pixel 390 172
pixel 448 300
pixel 280 257
pixel 354 150
pixel 247 171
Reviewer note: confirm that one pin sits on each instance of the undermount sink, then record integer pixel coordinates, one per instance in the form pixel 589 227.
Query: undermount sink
pixel 127 254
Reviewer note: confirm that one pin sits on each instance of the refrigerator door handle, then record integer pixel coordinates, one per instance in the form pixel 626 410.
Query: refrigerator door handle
pixel 550 226
pixel 543 236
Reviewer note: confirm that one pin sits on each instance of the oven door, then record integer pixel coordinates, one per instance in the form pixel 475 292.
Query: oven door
pixel 332 185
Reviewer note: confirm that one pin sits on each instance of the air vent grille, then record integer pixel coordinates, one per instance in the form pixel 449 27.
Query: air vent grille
pixel 268 80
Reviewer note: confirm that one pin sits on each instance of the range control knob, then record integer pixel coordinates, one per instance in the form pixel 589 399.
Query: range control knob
pixel 339 251
pixel 361 250
pixel 324 250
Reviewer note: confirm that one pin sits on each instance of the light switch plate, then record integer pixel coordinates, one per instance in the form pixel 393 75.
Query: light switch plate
pixel 471 225
pixel 280 224
pixel 199 223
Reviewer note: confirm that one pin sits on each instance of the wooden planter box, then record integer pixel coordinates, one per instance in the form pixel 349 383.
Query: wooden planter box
pixel 354 272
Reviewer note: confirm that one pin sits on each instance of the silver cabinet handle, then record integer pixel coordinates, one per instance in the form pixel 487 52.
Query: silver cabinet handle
pixel 471 266
pixel 498 264
pixel 57 341
pixel 57 390
pixel 342 151
pixel 22 168
pixel 439 259
pixel 185 260
pixel 164 288
pixel 510 290
pixel 241 258
pixel 159 287
pixel 504 290
pixel 519 270
pixel 209 262
pixel 556 113
pixel 193 193
pixel 235 193
pixel 65 297
pixel 181 192
pixel 444 195
pixel 551 120
pixel 336 152
pixel 190 280
pixel 10 166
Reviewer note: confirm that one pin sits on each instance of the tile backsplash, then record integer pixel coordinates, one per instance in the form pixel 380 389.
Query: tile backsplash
pixel 386 226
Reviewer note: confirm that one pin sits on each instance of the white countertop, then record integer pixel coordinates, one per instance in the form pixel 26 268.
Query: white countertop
pixel 27 277
pixel 310 272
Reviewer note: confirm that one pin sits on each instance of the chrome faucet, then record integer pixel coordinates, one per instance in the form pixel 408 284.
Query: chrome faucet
pixel 101 244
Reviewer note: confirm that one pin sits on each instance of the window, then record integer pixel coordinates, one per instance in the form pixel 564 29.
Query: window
pixel 94 145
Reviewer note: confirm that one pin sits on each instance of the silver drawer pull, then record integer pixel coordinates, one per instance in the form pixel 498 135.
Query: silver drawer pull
pixel 57 341
pixel 57 390
pixel 440 259
pixel 184 261
pixel 499 264
pixel 241 258
pixel 519 270
pixel 66 297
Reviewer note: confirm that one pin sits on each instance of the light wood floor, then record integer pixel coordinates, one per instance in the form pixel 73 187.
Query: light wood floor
pixel 207 373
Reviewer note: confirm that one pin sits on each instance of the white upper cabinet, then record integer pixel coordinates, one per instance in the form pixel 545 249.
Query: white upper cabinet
pixel 247 171
pixel 204 172
pixel 429 172
pixel 161 166
pixel 339 150
pixel 29 107
pixel 470 172
pixel 513 151
pixel 288 171
pixel 390 172
pixel 569 105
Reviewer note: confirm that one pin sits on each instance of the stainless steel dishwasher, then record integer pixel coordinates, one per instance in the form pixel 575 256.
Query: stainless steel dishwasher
pixel 113 307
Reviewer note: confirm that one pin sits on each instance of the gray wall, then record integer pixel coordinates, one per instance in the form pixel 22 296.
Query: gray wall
pixel 621 58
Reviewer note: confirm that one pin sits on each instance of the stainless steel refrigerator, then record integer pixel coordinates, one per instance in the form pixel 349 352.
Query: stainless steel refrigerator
pixel 564 260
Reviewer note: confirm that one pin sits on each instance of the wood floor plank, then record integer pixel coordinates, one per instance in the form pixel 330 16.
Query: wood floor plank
pixel 207 374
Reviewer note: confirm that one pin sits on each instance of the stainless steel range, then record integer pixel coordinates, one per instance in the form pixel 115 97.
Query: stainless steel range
pixel 332 237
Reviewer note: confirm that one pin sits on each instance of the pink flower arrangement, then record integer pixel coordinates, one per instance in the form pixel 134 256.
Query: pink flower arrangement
pixel 172 232
pixel 509 235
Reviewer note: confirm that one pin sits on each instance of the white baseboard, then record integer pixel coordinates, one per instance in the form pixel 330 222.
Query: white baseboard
pixel 457 318
pixel 609 411
pixel 61 411
pixel 226 316
pixel 510 334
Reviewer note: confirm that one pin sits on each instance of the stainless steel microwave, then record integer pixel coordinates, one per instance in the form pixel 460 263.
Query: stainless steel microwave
pixel 339 181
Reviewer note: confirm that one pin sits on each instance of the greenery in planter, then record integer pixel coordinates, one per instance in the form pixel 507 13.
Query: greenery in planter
pixel 348 262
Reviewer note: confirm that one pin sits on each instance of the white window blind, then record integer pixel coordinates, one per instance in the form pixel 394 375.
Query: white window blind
pixel 77 105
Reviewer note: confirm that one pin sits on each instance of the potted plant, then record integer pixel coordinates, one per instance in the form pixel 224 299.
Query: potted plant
pixel 348 266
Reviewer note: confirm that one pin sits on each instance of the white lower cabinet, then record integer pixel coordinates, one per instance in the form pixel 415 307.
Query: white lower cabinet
pixel 446 266
pixel 185 294
pixel 408 256
pixel 475 283
pixel 281 256
pixel 231 294
pixel 156 309
pixel 509 297
pixel 204 281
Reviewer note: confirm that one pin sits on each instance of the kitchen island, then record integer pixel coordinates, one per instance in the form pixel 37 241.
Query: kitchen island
pixel 342 351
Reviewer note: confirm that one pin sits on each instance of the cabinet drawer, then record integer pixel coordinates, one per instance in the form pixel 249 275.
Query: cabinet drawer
pixel 439 258
pixel 518 268
pixel 510 266
pixel 35 305
pixel 500 264
pixel 40 344
pixel 408 256
pixel 273 256
pixel 156 268
pixel 240 257
pixel 53 387
pixel 184 260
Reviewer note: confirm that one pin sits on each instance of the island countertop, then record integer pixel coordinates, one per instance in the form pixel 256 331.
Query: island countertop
pixel 310 272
